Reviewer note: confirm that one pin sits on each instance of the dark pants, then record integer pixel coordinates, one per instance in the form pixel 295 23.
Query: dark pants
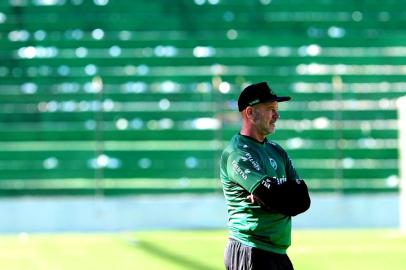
pixel 238 256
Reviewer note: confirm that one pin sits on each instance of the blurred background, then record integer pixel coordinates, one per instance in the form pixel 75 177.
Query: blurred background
pixel 113 113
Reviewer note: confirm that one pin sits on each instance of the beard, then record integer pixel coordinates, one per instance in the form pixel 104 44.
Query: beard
pixel 264 127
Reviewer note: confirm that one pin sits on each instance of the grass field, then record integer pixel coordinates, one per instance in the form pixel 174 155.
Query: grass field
pixel 196 250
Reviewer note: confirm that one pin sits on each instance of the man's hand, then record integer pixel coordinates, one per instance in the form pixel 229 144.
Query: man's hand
pixel 251 198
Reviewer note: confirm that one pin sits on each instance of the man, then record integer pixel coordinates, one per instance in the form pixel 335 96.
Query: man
pixel 261 187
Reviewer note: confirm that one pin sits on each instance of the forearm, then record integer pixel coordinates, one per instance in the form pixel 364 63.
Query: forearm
pixel 289 198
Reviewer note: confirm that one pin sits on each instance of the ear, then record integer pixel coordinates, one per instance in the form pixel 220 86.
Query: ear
pixel 249 112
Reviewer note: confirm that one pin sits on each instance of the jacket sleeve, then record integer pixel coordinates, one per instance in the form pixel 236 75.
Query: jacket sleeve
pixel 245 169
pixel 289 197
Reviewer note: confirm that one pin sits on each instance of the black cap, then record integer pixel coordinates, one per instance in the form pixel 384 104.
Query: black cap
pixel 257 93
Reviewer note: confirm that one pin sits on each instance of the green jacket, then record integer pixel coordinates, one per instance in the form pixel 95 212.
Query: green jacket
pixel 244 163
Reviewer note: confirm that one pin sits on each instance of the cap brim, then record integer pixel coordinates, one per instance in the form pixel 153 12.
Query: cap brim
pixel 278 99
pixel 282 99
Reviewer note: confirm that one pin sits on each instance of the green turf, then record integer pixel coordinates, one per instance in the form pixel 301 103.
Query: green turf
pixel 197 250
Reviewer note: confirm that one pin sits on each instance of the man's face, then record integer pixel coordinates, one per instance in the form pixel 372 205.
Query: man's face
pixel 265 116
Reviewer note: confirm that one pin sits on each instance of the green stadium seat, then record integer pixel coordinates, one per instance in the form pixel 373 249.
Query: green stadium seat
pixel 140 96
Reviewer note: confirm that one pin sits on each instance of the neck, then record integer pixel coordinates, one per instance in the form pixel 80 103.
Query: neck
pixel 252 133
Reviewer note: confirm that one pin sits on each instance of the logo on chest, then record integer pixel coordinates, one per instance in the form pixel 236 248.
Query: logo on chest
pixel 273 163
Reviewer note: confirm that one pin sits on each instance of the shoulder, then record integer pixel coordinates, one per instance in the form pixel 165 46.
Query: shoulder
pixel 235 143
pixel 239 147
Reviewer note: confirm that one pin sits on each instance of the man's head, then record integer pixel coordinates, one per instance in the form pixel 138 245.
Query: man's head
pixel 258 105
pixel 257 93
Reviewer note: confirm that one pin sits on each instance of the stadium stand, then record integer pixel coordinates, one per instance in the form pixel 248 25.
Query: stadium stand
pixel 121 97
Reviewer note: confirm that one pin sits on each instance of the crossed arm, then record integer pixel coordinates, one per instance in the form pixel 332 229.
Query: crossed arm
pixel 290 197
